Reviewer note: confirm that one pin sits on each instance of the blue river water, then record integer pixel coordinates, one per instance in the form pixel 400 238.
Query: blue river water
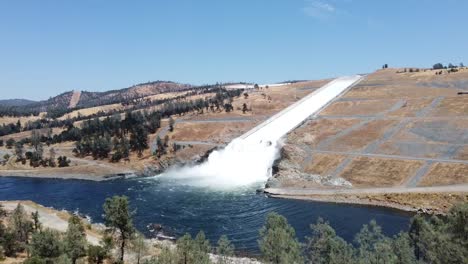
pixel 238 213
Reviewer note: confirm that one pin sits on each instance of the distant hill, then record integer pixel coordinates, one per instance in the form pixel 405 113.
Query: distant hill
pixel 90 99
pixel 16 102
pixel 62 103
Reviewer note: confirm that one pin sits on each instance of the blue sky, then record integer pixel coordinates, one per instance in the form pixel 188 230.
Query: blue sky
pixel 48 47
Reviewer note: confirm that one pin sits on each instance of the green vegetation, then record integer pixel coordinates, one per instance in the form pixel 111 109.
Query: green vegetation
pixel 430 239
pixel 118 219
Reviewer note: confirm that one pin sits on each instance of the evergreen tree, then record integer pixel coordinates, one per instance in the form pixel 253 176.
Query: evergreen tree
pixel 166 256
pixel 278 242
pixel 139 246
pixel 374 247
pixel 403 250
pixel 139 139
pixel 326 247
pixel 185 249
pixel 171 124
pixel 117 217
pixel 36 223
pixel 9 143
pixel 46 244
pixel 63 161
pixel 224 250
pixel 19 151
pixel 201 249
pixel 96 254
pixel 21 225
pixel 75 239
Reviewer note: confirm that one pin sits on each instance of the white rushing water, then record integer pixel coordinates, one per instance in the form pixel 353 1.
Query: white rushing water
pixel 249 158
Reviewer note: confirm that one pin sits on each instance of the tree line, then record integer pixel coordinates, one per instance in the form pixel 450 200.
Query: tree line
pixel 169 106
pixel 434 239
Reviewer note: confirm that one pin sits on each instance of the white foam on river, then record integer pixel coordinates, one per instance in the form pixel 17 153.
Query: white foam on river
pixel 249 158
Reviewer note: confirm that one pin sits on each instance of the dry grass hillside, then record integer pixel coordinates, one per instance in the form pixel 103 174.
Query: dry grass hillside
pixel 395 130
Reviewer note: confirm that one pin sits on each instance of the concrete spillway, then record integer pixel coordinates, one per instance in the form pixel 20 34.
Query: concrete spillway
pixel 280 124
pixel 249 158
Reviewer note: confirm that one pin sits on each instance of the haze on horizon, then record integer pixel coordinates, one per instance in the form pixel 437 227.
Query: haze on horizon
pixel 49 47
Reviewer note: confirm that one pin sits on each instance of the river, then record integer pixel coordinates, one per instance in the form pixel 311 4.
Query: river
pixel 238 213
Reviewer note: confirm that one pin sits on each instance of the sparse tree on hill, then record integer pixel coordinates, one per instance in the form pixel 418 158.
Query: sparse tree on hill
pixel 9 143
pixel 438 66
pixel 63 161
pixel 160 147
pixel 118 218
pixel 139 139
pixel 244 108
pixel 171 124
pixel 19 151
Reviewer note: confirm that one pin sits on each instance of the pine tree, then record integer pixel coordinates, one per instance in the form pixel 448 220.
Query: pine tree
pixel 21 225
pixel 324 246
pixel 278 242
pixel 46 245
pixel 75 239
pixel 202 249
pixel 36 223
pixel 139 139
pixel 224 250
pixel 171 124
pixel 117 217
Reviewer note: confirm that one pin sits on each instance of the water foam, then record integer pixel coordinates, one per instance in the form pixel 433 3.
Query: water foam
pixel 238 164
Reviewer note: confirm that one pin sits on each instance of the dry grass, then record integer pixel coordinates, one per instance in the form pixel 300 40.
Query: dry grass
pixel 453 106
pixel 213 132
pixel 387 84
pixel 446 174
pixel 319 130
pixel 24 119
pixel 91 111
pixel 377 172
pixel 462 154
pixel 323 164
pixel 361 137
pixel 27 134
pixel 365 107
pixel 411 107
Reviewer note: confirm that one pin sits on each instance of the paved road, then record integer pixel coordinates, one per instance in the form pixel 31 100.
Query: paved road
pixel 305 192
pixel 207 143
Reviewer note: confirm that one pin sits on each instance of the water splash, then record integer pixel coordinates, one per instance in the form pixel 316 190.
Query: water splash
pixel 239 164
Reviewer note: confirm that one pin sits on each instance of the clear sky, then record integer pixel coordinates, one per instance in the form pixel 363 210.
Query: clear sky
pixel 48 47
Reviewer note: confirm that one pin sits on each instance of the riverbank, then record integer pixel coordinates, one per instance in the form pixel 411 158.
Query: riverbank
pixel 430 200
pixel 58 220
pixel 63 174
